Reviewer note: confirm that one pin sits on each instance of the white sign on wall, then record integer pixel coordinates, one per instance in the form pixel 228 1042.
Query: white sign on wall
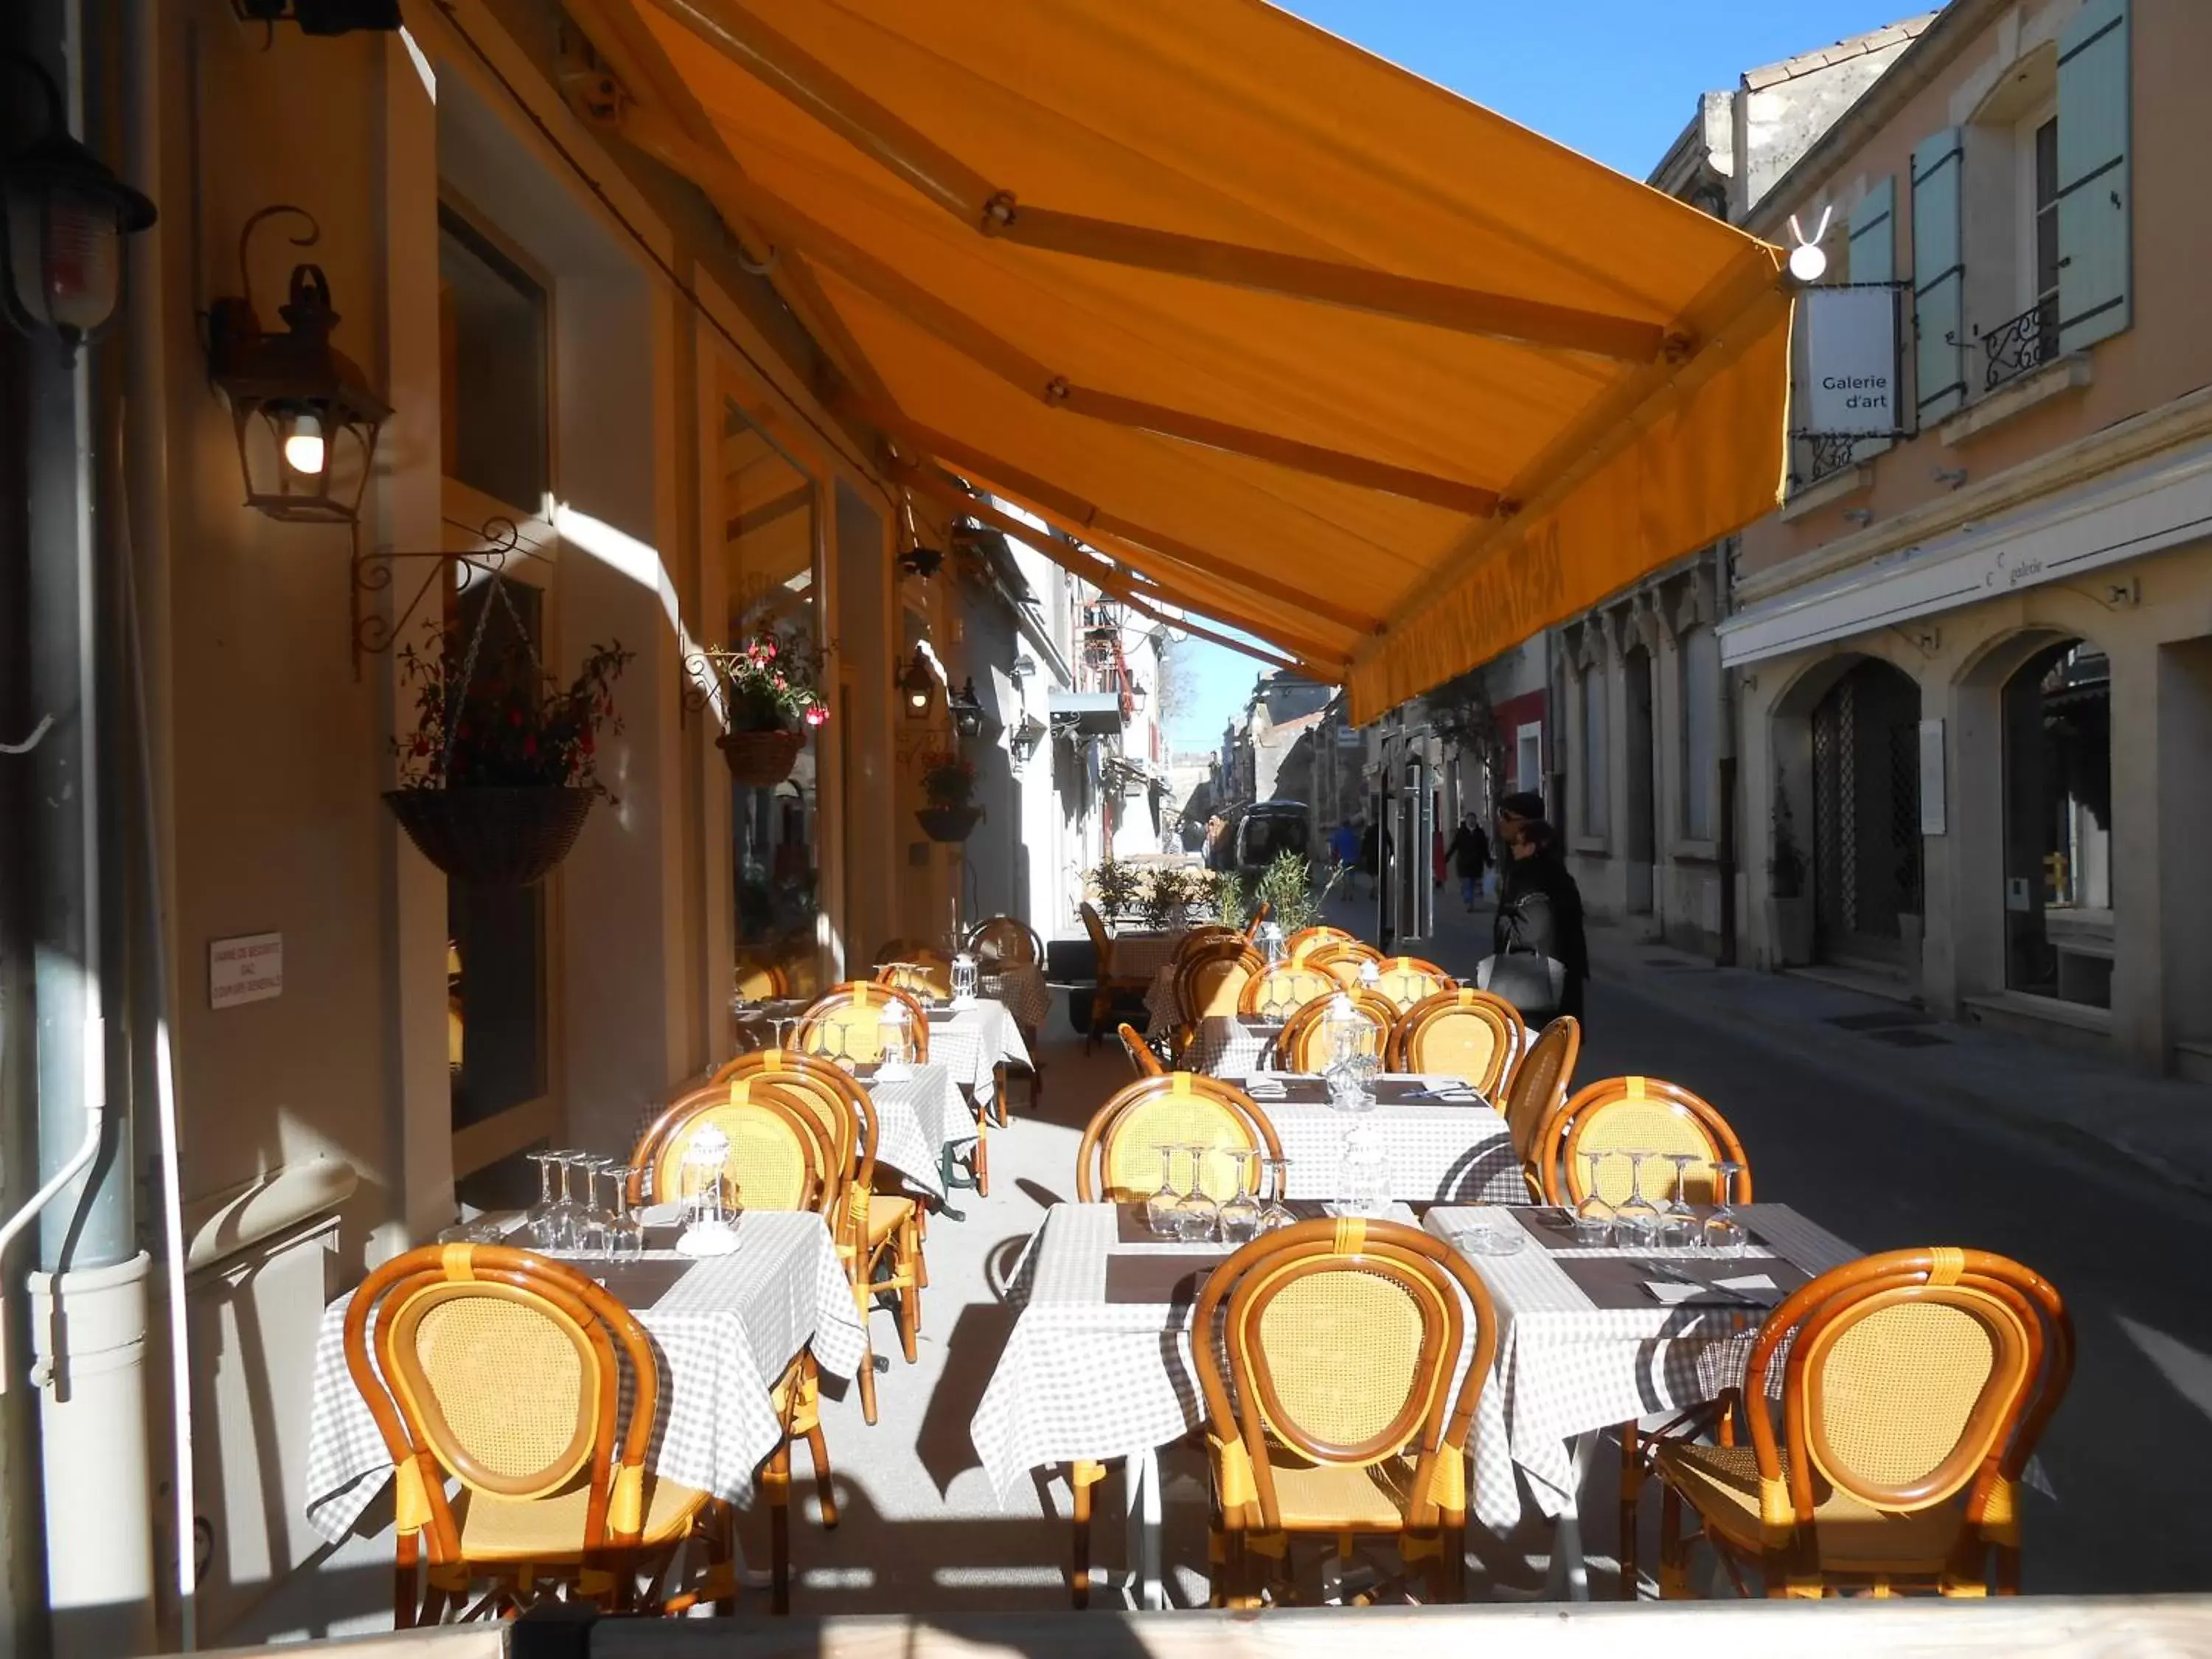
pixel 1850 358
pixel 247 970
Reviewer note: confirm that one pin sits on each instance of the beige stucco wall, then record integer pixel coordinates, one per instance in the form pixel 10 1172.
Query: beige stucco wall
pixel 2167 351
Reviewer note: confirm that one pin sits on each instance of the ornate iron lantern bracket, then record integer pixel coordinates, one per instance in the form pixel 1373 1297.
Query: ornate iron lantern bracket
pixel 373 570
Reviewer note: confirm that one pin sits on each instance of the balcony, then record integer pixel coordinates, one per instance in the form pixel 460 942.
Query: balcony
pixel 2027 343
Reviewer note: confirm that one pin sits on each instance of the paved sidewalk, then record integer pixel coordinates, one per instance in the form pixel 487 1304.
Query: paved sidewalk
pixel 2093 1109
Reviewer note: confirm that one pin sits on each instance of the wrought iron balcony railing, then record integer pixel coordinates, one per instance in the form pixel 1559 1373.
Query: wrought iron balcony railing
pixel 2028 342
pixel 1818 455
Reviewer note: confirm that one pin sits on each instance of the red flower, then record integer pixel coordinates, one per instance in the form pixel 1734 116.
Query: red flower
pixel 515 717
pixel 529 746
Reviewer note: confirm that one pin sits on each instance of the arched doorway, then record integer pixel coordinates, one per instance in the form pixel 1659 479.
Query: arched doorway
pixel 2059 822
pixel 1866 814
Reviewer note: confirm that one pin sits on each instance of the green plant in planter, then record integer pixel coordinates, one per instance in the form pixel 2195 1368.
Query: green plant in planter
pixel 1164 900
pixel 514 727
pixel 948 778
pixel 1786 863
pixel 1114 889
pixel 770 681
pixel 1287 885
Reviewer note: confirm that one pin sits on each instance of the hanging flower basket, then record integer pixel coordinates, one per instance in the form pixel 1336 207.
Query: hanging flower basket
pixel 950 822
pixel 492 836
pixel 761 759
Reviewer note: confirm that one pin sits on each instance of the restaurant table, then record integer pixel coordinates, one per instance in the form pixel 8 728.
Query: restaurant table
pixel 725 1327
pixel 1142 954
pixel 1163 1004
pixel 1456 1150
pixel 1582 1348
pixel 1097 1367
pixel 974 1040
pixel 1023 987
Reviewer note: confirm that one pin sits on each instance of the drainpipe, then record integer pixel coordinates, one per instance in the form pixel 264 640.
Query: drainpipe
pixel 89 1297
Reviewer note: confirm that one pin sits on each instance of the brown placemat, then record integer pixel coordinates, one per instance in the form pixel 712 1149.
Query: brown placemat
pixel 1168 1278
pixel 1388 1092
pixel 1552 1226
pixel 1613 1282
pixel 638 1286
pixel 1130 1226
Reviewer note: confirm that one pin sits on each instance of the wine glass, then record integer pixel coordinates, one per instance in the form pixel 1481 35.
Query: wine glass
pixel 784 1024
pixel 1278 1214
pixel 1636 1217
pixel 595 1223
pixel 1240 1212
pixel 1363 1173
pixel 1593 1216
pixel 1160 1207
pixel 1678 1222
pixel 540 1216
pixel 1197 1215
pixel 626 1234
pixel 1724 1231
pixel 561 1228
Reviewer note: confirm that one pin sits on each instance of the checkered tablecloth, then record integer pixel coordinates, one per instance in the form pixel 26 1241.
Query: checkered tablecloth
pixel 1566 1366
pixel 917 1117
pixel 1163 1005
pixel 724 1333
pixel 1230 1049
pixel 1437 1152
pixel 1142 954
pixel 973 1042
pixel 1082 1377
pixel 1023 988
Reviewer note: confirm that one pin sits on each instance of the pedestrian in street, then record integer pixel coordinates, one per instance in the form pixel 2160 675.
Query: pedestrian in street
pixel 1436 855
pixel 1371 855
pixel 1343 848
pixel 1539 905
pixel 1469 854
pixel 1219 854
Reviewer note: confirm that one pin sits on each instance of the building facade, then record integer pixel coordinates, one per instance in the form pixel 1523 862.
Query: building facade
pixel 1973 659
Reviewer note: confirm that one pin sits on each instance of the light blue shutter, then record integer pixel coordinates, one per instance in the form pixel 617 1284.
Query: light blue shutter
pixel 2094 216
pixel 1873 259
pixel 1939 278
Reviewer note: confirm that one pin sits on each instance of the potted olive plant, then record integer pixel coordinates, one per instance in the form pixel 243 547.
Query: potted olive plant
pixel 771 692
pixel 948 779
pixel 502 769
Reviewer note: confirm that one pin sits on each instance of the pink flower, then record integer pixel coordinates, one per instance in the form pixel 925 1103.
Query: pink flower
pixel 817 716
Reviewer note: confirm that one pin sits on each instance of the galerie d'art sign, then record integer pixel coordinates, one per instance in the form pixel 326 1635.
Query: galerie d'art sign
pixel 1851 357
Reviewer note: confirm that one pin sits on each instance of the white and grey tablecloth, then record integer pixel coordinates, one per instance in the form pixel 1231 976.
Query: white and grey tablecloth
pixel 974 1041
pixel 1163 1005
pixel 1438 1152
pixel 724 1333
pixel 1082 1377
pixel 1143 955
pixel 918 1116
pixel 1566 1367
pixel 1022 987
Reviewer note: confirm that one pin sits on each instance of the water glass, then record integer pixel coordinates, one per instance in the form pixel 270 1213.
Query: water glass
pixel 1363 1174
pixel 1678 1222
pixel 1197 1216
pixel 1724 1231
pixel 1278 1214
pixel 1593 1216
pixel 1240 1212
pixel 1636 1217
pixel 1160 1207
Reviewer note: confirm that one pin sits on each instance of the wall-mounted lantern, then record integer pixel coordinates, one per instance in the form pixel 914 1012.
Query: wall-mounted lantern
pixel 916 683
pixel 63 215
pixel 969 718
pixel 305 416
pixel 922 562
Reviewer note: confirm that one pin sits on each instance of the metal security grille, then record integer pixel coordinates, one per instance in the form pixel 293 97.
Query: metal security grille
pixel 1834 884
pixel 1866 811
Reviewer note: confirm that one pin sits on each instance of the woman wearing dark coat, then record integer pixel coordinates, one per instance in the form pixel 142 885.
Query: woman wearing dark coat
pixel 1469 854
pixel 1534 867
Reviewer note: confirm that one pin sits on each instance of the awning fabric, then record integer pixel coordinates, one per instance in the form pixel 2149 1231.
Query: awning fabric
pixel 1326 351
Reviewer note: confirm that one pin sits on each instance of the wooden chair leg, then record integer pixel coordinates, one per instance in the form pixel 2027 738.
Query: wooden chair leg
pixel 722 1552
pixel 983 1151
pixel 817 1448
pixel 909 1321
pixel 1631 1485
pixel 1674 1549
pixel 867 1372
pixel 1081 1477
pixel 406 1596
pixel 777 1481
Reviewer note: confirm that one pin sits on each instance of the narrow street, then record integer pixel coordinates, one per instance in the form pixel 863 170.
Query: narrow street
pixel 1884 1164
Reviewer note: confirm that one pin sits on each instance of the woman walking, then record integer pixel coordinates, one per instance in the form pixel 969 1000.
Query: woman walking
pixel 1469 854
pixel 1539 905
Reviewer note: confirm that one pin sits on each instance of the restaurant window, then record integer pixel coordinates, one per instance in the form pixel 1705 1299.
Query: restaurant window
pixel 2058 825
pixel 769 505
pixel 492 339
pixel 1701 654
pixel 1594 751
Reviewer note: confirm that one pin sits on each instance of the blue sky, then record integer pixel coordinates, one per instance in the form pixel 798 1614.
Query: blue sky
pixel 1615 79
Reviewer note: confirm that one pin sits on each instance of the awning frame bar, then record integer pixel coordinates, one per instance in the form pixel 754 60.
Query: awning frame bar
pixel 944 178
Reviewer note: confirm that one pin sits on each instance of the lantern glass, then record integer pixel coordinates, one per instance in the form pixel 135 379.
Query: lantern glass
pixel 305 450
pixel 65 258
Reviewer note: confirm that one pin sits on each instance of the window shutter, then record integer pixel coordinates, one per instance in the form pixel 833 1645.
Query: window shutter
pixel 1873 259
pixel 1939 277
pixel 2094 300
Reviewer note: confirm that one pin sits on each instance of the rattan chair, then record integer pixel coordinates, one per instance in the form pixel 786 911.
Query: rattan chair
pixel 1210 981
pixel 1408 979
pixel 1462 1033
pixel 1535 1093
pixel 1112 983
pixel 755 979
pixel 502 1369
pixel 1279 992
pixel 1342 959
pixel 879 1233
pixel 1308 940
pixel 1200 935
pixel 1142 1060
pixel 1306 1037
pixel 1637 1114
pixel 1329 1399
pixel 999 944
pixel 1253 923
pixel 845 1023
pixel 1916 1386
pixel 1119 1159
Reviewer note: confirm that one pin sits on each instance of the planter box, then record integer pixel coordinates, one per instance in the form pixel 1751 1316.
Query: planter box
pixel 950 824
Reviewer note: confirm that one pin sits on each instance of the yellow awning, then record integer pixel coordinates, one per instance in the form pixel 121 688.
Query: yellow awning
pixel 1354 363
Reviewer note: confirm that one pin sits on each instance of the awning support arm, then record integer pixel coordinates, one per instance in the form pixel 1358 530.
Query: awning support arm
pixel 945 179
pixel 1199 631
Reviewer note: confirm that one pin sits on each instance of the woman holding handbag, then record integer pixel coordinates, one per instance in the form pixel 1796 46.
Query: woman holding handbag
pixel 1539 908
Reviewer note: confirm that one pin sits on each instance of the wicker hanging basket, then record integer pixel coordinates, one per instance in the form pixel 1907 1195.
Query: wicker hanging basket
pixel 950 822
pixel 761 759
pixel 492 836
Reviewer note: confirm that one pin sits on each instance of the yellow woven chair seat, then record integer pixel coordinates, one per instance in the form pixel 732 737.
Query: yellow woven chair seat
pixel 1323 1496
pixel 886 1215
pixel 1721 1484
pixel 551 1529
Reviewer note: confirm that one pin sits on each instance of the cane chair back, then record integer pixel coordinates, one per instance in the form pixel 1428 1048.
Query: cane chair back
pixel 781 1156
pixel 1408 979
pixel 925 974
pixel 1142 1060
pixel 1462 1033
pixel 845 1023
pixel 1206 933
pixel 1252 923
pixel 1342 959
pixel 903 948
pixel 1210 980
pixel 832 1096
pixel 1306 940
pixel 1540 1080
pixel 1306 1036
pixel 1003 942
pixel 1119 1159
pixel 502 1369
pixel 1279 992
pixel 1637 1114
pixel 756 980
pixel 1306 1439
pixel 1101 942
pixel 1912 1378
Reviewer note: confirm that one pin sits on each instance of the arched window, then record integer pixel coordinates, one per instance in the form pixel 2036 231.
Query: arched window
pixel 1592 684
pixel 2058 825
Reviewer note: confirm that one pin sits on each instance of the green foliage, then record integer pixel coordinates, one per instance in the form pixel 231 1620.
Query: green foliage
pixel 1114 889
pixel 1287 887
pixel 1785 864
